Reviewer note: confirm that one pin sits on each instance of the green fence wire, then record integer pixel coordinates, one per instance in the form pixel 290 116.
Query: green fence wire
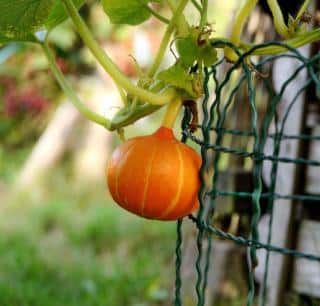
pixel 221 89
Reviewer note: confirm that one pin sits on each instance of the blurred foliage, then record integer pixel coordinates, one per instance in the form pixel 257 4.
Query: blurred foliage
pixel 25 93
pixel 67 245
pixel 28 91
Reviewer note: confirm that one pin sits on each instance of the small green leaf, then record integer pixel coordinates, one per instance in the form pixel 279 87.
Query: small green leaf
pixel 178 77
pixel 58 13
pixel 188 50
pixel 130 12
pixel 208 55
pixel 21 18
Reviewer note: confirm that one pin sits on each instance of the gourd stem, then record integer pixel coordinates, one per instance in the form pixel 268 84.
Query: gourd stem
pixel 172 113
pixel 106 62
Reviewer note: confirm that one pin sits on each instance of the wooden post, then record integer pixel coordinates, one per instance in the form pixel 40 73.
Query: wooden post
pixel 286 177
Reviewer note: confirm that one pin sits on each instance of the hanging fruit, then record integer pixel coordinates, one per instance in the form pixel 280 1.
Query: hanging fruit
pixel 155 176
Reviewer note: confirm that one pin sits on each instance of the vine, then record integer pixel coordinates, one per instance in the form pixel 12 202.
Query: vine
pixel 195 44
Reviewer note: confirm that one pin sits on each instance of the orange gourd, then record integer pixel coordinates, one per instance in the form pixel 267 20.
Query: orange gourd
pixel 155 176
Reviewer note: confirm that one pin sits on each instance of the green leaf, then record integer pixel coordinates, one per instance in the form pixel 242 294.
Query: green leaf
pixel 130 12
pixel 188 50
pixel 58 13
pixel 21 18
pixel 27 37
pixel 208 54
pixel 178 77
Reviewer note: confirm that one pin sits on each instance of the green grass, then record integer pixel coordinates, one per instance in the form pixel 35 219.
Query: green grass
pixel 71 246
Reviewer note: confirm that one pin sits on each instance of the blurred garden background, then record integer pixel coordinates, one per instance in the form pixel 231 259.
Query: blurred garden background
pixel 63 241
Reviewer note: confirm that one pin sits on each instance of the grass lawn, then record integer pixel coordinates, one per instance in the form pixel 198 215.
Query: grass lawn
pixel 71 246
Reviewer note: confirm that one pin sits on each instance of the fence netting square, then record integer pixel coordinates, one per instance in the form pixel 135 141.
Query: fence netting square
pixel 246 122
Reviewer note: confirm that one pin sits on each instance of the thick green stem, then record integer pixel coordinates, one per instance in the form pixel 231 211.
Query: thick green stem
pixel 133 112
pixel 172 113
pixel 204 14
pixel 109 66
pixel 161 52
pixel 196 5
pixel 181 22
pixel 172 4
pixel 90 115
pixel 296 42
pixel 166 38
pixel 278 19
pixel 123 118
pixel 237 28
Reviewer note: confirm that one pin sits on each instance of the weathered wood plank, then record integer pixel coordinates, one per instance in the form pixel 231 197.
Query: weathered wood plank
pixel 286 177
pixel 306 272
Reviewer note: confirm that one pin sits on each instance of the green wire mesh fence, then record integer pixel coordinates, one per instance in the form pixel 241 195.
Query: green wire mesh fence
pixel 223 84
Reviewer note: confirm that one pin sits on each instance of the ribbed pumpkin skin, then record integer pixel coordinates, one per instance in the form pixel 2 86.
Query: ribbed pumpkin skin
pixel 155 176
